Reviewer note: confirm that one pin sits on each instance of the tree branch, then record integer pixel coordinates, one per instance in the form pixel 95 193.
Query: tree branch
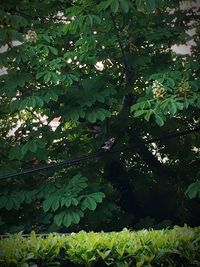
pixel 119 40
pixel 34 115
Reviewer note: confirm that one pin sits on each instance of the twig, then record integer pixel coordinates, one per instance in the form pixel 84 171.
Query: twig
pixel 34 115
pixel 119 40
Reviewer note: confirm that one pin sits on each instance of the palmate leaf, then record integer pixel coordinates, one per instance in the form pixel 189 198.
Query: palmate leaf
pixel 55 205
pixel 53 50
pixel 124 5
pixel 47 204
pixel 9 203
pixel 50 95
pixel 159 120
pixel 75 217
pixel 90 202
pixel 150 5
pixel 69 201
pixel 193 190
pixel 16 152
pixel 115 6
pixel 78 182
pixel 67 220
pixel 98 196
pixel 58 218
pixel 52 201
pixel 3 201
pixel 30 102
pixel 98 114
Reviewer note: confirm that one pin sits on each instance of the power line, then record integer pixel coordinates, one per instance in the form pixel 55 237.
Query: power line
pixel 96 154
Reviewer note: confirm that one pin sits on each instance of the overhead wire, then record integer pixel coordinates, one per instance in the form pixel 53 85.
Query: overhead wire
pixel 77 160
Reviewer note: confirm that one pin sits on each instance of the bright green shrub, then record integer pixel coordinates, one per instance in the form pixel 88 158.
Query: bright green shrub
pixel 176 247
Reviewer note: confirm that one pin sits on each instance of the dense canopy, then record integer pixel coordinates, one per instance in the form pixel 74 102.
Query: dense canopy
pixel 101 69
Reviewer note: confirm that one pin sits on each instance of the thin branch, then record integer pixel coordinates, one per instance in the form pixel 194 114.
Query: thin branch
pixel 34 115
pixel 42 17
pixel 176 134
pixel 119 40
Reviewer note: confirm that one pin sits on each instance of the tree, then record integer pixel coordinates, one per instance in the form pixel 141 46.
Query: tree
pixel 105 69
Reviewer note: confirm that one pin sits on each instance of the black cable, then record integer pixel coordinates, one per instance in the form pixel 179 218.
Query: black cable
pixel 51 165
pixel 73 161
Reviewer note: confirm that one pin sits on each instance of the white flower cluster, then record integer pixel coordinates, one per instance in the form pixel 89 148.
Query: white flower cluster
pixel 31 36
pixel 158 89
pixel 184 88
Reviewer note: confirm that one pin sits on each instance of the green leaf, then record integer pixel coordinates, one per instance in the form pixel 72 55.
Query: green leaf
pixel 16 153
pixel 193 190
pixel 39 101
pixel 88 203
pixel 173 108
pixel 74 201
pixel 53 50
pixel 90 20
pixel 115 6
pixel 136 107
pixel 74 77
pixel 55 77
pixel 91 117
pixel 25 148
pixel 14 105
pixel 150 5
pixel 3 201
pixel 138 113
pixel 148 115
pixel 55 204
pixel 67 220
pixel 124 5
pixel 159 120
pixel 33 146
pixel 62 201
pixel 68 201
pixel 97 19
pixel 75 217
pixel 16 203
pixel 50 95
pixel 179 105
pixel 69 79
pixel 72 115
pixel 10 204
pixel 41 142
pixel 39 75
pixel 58 219
pixel 47 77
pixel 100 115
pixel 47 203
pixel 140 5
pixel 98 196
pixel 31 102
pixel 100 98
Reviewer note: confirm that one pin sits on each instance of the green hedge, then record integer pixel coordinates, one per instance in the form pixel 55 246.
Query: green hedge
pixel 176 247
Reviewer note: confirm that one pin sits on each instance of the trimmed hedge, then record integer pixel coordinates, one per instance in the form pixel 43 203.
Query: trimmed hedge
pixel 176 247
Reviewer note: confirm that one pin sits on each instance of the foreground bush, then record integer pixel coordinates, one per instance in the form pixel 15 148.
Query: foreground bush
pixel 176 247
